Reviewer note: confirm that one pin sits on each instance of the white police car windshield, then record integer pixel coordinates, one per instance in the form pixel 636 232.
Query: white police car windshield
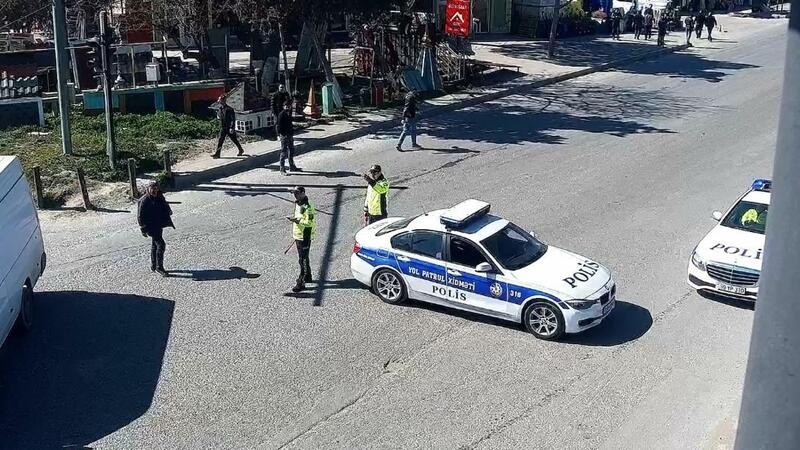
pixel 514 248
pixel 748 216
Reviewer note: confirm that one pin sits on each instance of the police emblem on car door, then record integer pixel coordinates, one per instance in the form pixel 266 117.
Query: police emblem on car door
pixel 467 286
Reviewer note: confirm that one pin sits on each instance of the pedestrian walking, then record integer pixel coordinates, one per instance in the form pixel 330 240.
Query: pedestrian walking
pixel 662 30
pixel 649 20
pixel 616 19
pixel 376 203
pixel 304 227
pixel 688 23
pixel 153 215
pixel 410 111
pixel 227 118
pixel 279 98
pixel 285 129
pixel 638 24
pixel 710 23
pixel 698 23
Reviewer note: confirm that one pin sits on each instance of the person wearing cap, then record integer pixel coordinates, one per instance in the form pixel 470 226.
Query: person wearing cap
pixel 227 117
pixel 153 215
pixel 304 227
pixel 279 98
pixel 409 122
pixel 375 205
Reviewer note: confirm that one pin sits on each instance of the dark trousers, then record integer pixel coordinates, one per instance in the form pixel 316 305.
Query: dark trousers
pixel 223 133
pixel 661 35
pixel 648 32
pixel 372 219
pixel 287 151
pixel 710 29
pixel 699 31
pixel 157 248
pixel 637 30
pixel 303 249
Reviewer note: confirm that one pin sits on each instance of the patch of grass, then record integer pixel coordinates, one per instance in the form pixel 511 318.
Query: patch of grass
pixel 142 137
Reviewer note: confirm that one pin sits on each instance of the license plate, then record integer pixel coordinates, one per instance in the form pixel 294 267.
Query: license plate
pixel 607 308
pixel 722 287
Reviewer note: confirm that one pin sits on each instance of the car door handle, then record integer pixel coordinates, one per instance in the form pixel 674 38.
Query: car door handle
pixel 403 259
pixel 454 273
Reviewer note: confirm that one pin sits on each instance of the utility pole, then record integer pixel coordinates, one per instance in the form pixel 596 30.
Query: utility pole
pixel 551 46
pixel 106 39
pixel 770 411
pixel 60 38
pixel 286 80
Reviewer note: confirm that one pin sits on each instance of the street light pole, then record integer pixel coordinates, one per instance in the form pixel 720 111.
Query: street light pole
pixel 770 412
pixel 105 55
pixel 62 64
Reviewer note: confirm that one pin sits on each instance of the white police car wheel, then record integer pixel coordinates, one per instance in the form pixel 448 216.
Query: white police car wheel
pixel 389 287
pixel 544 321
pixel 25 318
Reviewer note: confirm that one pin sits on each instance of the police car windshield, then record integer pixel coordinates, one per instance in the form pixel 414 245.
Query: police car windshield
pixel 394 226
pixel 514 248
pixel 747 216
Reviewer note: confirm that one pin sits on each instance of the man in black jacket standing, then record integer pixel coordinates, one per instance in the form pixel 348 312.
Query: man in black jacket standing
pixel 285 130
pixel 279 98
pixel 409 122
pixel 154 214
pixel 227 117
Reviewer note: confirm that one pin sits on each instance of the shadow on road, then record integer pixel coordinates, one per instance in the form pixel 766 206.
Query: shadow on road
pixel 89 367
pixel 234 273
pixel 730 301
pixel 626 323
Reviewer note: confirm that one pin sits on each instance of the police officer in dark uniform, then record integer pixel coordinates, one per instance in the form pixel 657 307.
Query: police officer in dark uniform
pixel 153 215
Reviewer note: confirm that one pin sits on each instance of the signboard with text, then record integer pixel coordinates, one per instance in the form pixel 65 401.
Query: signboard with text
pixel 457 18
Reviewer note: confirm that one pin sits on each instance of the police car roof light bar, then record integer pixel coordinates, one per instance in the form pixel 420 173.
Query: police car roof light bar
pixel 464 213
pixel 761 184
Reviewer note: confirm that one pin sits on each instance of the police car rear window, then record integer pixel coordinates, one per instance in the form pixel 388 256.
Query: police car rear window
pixel 394 226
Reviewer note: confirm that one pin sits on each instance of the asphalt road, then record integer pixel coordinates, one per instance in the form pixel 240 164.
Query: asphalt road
pixel 623 167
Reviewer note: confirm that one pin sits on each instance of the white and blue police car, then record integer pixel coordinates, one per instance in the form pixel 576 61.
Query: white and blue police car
pixel 728 260
pixel 468 259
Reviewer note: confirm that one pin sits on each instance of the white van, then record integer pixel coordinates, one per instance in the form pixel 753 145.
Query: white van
pixel 22 256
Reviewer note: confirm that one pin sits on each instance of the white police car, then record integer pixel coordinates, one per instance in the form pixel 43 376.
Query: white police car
pixel 728 260
pixel 468 259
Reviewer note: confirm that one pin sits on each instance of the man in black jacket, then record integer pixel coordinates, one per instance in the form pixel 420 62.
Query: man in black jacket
pixel 154 214
pixel 710 23
pixel 409 121
pixel 227 117
pixel 285 130
pixel 279 98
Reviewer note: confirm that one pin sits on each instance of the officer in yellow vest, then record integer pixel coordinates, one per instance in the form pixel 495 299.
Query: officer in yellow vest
pixel 303 230
pixel 375 205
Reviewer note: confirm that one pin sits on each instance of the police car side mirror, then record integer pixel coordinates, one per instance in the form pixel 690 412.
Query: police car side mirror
pixel 484 267
pixel 717 215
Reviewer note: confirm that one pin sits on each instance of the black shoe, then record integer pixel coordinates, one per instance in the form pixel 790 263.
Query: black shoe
pixel 215 156
pixel 295 169
pixel 162 272
pixel 308 279
pixel 240 153
pixel 416 146
pixel 298 288
pixel 152 268
pixel 283 171
pixel 399 148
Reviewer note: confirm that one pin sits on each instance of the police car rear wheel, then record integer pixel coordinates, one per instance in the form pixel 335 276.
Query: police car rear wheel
pixel 389 287
pixel 544 321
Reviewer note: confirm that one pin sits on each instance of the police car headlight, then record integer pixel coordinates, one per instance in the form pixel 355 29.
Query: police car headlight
pixel 698 261
pixel 581 304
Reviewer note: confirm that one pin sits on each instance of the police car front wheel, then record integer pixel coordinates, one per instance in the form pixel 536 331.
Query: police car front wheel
pixel 388 285
pixel 544 321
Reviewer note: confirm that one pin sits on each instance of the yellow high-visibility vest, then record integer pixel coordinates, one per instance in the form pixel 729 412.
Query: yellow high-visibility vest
pixel 306 218
pixel 377 202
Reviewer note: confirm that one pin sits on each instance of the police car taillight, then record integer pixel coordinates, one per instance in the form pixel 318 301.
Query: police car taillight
pixel 356 247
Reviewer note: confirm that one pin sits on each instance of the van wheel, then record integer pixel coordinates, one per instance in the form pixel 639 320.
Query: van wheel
pixel 25 318
pixel 544 321
pixel 389 286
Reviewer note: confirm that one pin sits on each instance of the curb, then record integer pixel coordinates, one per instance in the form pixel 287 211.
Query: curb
pixel 183 181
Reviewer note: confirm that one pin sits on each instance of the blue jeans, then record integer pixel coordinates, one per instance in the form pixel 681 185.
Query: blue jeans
pixel 409 128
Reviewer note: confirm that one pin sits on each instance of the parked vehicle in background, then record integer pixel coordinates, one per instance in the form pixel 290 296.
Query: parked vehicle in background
pixel 22 255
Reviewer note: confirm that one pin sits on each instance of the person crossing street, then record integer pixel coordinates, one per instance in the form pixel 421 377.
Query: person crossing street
pixel 409 122
pixel 227 117
pixel 153 215
pixel 375 205
pixel 304 227
pixel 688 23
pixel 710 23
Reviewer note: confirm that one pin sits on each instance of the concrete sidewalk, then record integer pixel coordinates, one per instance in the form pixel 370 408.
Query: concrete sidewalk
pixel 576 58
